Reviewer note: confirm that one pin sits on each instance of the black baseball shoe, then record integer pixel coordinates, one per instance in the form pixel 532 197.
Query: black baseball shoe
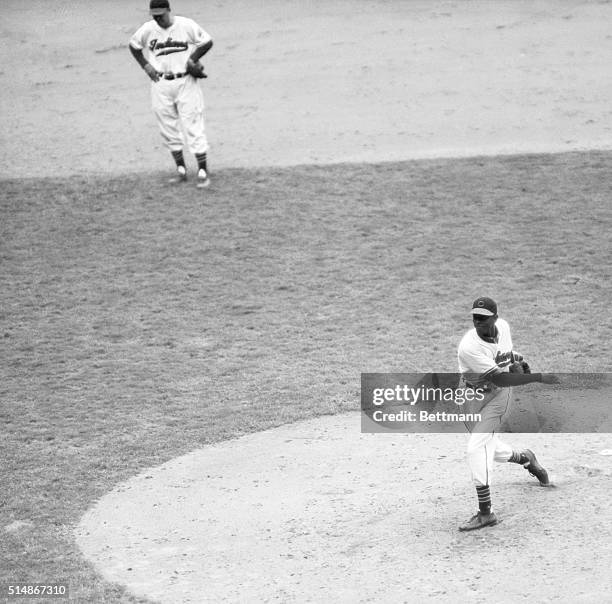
pixel 534 468
pixel 478 521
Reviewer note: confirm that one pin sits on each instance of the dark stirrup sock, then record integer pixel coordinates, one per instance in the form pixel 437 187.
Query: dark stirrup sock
pixel 484 499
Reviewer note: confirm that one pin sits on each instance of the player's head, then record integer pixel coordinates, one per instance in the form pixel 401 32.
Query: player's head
pixel 484 315
pixel 160 11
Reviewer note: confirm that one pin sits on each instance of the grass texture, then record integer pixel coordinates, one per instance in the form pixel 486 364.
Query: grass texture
pixel 142 320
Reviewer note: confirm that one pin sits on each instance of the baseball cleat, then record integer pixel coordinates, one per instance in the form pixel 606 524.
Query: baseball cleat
pixel 181 175
pixel 203 180
pixel 478 521
pixel 535 469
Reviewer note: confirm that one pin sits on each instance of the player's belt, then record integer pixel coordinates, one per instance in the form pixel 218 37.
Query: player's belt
pixel 173 76
pixel 488 387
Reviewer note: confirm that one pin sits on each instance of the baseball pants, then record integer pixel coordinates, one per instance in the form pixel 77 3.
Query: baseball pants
pixel 179 107
pixel 484 446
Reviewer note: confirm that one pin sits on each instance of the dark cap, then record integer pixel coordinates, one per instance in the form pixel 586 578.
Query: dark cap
pixel 158 7
pixel 484 306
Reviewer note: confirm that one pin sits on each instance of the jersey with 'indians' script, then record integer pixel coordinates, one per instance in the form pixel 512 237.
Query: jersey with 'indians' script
pixel 169 49
pixel 479 360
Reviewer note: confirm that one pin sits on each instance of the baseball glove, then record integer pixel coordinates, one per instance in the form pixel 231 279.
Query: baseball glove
pixel 195 70
pixel 520 367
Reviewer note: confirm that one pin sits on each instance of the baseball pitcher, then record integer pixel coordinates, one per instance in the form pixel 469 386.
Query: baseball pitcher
pixel 487 360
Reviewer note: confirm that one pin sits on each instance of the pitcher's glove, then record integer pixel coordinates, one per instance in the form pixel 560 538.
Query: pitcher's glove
pixel 195 70
pixel 520 367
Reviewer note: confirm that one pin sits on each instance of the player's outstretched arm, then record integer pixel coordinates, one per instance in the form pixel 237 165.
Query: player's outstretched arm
pixel 507 380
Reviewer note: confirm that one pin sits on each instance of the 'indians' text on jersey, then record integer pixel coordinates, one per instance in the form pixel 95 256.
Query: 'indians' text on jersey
pixel 169 49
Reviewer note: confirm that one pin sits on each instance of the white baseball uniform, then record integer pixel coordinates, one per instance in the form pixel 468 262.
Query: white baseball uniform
pixel 179 99
pixel 478 361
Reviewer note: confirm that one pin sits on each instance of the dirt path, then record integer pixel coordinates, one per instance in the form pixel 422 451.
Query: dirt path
pixel 295 83
pixel 316 511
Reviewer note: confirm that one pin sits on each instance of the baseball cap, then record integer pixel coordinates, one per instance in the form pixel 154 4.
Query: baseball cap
pixel 158 7
pixel 484 306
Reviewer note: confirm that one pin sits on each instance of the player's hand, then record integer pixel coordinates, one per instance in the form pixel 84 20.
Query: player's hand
pixel 151 72
pixel 550 378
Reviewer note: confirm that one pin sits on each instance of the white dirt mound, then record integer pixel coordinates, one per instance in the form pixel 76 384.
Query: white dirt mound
pixel 317 512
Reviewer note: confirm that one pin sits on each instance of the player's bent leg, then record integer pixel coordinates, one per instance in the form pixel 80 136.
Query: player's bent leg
pixel 503 451
pixel 534 467
pixel 493 412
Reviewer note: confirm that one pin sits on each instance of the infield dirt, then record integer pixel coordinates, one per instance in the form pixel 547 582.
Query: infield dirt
pixel 303 83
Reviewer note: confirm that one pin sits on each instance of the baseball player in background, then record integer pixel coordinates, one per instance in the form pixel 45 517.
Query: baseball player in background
pixel 169 48
pixel 486 360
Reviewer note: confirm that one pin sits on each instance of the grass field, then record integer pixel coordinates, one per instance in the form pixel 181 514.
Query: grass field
pixel 141 321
